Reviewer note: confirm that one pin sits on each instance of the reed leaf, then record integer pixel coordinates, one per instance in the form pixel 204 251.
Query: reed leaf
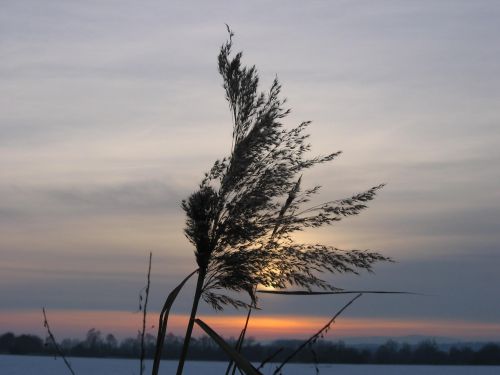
pixel 313 293
pixel 242 363
pixel 162 324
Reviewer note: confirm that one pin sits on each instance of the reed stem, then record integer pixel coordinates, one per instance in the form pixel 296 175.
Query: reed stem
pixel 189 330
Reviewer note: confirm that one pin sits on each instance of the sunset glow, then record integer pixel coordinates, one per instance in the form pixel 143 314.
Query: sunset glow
pixel 76 323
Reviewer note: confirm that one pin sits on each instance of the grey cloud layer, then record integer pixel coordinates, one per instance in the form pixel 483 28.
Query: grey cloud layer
pixel 133 199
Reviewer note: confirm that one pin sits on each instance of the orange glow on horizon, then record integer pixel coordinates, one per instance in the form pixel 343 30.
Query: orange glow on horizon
pixel 75 323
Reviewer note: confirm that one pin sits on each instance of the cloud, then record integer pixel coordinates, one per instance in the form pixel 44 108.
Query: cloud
pixel 133 198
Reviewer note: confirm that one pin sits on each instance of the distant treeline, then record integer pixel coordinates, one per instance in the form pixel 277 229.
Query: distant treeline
pixel 98 345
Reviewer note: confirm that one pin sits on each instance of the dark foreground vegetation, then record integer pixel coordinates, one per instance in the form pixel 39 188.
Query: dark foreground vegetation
pixel 98 345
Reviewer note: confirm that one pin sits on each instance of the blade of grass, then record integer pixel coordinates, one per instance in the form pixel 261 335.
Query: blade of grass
pixel 314 337
pixel 162 325
pixel 240 361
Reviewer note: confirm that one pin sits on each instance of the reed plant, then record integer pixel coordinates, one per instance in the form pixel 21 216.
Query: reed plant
pixel 242 216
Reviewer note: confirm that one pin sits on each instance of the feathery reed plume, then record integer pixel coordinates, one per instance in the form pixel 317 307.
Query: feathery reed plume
pixel 241 218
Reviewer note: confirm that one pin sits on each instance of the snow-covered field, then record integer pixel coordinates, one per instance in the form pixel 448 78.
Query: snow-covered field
pixel 27 365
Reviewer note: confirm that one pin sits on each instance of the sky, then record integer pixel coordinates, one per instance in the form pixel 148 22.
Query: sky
pixel 111 111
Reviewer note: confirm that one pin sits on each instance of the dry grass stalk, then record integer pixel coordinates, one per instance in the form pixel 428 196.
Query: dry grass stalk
pixel 52 338
pixel 144 315
pixel 315 337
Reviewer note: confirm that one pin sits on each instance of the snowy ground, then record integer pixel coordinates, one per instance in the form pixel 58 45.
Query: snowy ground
pixel 27 365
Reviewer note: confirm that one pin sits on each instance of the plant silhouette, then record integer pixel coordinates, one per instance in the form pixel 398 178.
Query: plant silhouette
pixel 243 214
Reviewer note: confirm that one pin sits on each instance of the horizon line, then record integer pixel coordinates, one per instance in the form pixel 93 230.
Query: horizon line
pixel 267 327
